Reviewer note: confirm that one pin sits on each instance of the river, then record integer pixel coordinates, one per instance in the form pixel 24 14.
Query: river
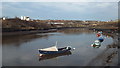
pixel 22 50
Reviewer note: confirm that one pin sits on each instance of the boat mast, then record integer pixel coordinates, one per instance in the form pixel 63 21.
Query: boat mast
pixel 56 43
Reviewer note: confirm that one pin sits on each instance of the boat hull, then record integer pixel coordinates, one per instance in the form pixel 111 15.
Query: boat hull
pixel 52 52
pixel 101 39
pixel 50 56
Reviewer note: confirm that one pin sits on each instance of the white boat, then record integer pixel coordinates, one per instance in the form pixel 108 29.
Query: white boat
pixel 96 44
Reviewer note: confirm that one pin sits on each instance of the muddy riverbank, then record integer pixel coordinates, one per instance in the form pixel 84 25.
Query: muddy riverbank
pixel 109 57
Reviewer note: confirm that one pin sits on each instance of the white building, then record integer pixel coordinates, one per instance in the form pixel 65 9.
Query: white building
pixel 22 18
pixel 4 18
pixel 27 18
pixel 56 23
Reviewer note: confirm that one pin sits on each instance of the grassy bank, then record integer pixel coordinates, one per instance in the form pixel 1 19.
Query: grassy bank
pixel 16 25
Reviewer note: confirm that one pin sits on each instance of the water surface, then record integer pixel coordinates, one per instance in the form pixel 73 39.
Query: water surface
pixel 23 50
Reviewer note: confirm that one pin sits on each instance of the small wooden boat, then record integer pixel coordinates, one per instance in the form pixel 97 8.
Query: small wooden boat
pixel 54 50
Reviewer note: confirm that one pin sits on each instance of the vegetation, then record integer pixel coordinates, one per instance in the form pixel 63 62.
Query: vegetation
pixel 16 24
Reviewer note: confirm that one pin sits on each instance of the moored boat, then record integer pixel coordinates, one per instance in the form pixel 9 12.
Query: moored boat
pixel 96 44
pixel 54 50
pixel 99 34
pixel 101 39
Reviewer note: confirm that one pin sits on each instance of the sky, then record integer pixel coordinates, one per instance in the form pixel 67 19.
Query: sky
pixel 60 0
pixel 102 11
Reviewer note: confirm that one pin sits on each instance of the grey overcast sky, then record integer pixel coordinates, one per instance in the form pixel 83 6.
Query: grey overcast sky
pixel 103 11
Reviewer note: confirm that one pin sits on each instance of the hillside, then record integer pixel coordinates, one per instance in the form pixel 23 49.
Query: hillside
pixel 15 24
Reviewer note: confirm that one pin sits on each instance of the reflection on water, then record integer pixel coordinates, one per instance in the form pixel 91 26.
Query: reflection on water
pixel 18 40
pixel 76 31
pixel 23 50
pixel 44 57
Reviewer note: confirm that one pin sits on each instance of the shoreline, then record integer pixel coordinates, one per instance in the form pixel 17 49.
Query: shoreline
pixel 106 30
pixel 27 32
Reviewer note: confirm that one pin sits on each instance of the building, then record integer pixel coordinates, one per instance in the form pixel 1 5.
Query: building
pixel 55 23
pixel 27 18
pixel 4 18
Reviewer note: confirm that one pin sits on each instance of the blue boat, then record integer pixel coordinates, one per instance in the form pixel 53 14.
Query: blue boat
pixel 101 39
pixel 60 50
pixel 54 50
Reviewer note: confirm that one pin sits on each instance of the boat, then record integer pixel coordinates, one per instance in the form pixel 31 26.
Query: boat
pixel 101 39
pixel 50 56
pixel 54 50
pixel 99 34
pixel 96 44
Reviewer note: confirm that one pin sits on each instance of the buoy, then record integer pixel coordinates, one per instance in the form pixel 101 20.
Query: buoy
pixel 40 54
pixel 73 48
